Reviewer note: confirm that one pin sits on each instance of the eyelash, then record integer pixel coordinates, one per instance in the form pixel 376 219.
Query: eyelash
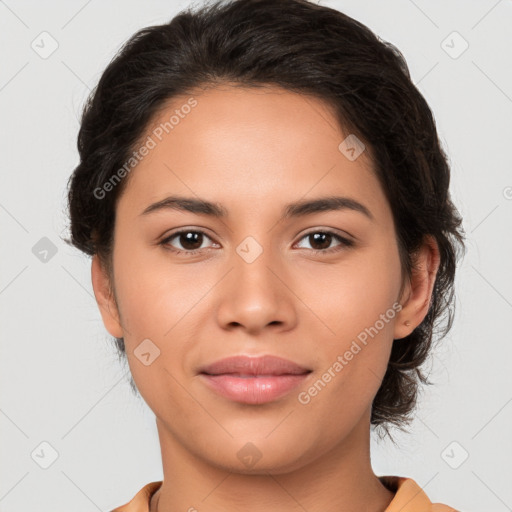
pixel 344 242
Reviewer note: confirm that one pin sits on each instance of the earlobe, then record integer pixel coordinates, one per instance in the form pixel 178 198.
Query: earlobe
pixel 421 286
pixel 105 298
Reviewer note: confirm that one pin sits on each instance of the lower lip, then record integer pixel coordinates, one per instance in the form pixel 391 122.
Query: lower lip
pixel 253 390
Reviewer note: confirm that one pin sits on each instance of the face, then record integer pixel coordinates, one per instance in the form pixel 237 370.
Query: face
pixel 318 287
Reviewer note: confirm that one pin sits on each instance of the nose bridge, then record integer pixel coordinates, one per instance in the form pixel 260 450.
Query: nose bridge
pixel 252 261
pixel 254 296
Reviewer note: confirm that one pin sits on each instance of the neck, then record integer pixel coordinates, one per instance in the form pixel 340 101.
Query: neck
pixel 341 479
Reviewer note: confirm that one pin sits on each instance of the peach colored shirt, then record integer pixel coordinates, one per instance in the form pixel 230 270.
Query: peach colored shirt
pixel 409 497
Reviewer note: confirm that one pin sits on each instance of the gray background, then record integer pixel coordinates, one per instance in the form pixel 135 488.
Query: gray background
pixel 60 379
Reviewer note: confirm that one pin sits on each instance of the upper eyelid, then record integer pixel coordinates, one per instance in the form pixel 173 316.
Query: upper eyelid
pixel 342 234
pixel 186 230
pixel 169 237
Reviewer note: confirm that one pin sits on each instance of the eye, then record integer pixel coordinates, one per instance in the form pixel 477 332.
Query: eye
pixel 191 241
pixel 323 239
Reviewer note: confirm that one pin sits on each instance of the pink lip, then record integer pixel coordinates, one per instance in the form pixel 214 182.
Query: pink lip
pixel 254 380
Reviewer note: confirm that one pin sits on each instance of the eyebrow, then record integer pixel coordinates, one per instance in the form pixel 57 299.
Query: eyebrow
pixel 292 210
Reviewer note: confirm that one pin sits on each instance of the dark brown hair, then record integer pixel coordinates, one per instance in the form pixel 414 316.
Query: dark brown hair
pixel 305 48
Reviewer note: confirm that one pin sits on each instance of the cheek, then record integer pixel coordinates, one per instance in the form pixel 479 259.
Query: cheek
pixel 351 297
pixel 359 305
pixel 154 294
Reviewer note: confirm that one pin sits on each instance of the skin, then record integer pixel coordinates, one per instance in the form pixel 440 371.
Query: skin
pixel 253 151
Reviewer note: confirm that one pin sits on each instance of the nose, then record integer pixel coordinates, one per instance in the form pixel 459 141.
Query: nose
pixel 255 295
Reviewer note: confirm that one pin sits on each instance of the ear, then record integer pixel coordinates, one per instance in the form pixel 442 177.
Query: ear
pixel 105 298
pixel 418 291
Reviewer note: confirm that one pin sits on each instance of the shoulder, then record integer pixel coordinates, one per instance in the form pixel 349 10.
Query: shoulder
pixel 439 507
pixel 410 497
pixel 140 502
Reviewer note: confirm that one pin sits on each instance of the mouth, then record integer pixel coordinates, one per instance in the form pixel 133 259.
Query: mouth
pixel 253 389
pixel 253 380
pixel 252 376
pixel 266 365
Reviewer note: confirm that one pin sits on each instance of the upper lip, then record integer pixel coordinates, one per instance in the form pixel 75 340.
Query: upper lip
pixel 246 365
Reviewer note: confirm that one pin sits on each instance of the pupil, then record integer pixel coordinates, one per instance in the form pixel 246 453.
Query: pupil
pixel 321 237
pixel 190 238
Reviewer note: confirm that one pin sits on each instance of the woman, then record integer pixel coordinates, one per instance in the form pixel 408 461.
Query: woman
pixel 266 203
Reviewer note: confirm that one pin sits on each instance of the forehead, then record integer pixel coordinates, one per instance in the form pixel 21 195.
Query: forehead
pixel 245 120
pixel 248 144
